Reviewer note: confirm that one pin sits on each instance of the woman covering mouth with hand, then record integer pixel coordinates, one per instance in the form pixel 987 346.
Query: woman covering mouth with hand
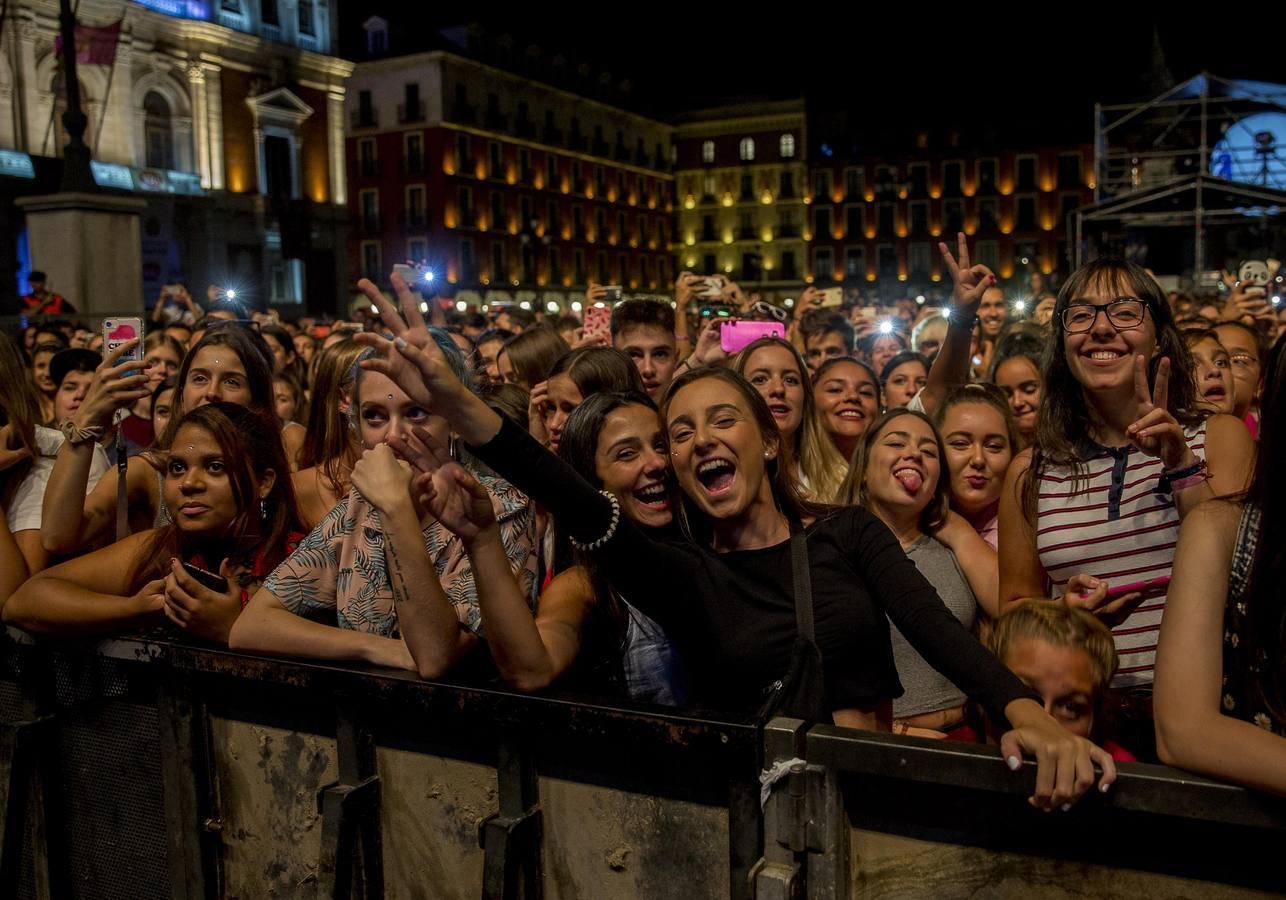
pixel 726 596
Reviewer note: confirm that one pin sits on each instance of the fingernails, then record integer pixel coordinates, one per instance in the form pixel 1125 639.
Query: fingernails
pixel 399 342
pixel 1013 762
pixel 1084 594
pixel 1066 807
pixel 1094 582
pixel 1103 786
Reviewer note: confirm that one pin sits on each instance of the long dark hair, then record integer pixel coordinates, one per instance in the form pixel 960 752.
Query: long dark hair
pixel 1265 593
pixel 1064 418
pixel 781 469
pixel 250 442
pixel 331 443
pixel 20 407
pixel 255 358
pixel 578 447
pixel 597 369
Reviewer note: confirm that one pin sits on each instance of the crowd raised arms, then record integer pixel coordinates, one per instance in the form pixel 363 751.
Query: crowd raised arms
pixel 1051 531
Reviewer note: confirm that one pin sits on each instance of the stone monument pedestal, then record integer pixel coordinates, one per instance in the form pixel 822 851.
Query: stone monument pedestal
pixel 89 246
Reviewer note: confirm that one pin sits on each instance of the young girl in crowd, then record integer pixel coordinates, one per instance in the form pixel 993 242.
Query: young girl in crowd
pixel 380 579
pixel 1122 454
pixel 1220 677
pixel 1212 371
pixel 331 443
pixel 1246 347
pixel 880 347
pixel 584 634
pixel 573 377
pixel 233 514
pixel 1015 369
pixel 733 469
pixel 27 449
pixel 229 364
pixel 847 395
pixel 779 373
pixel 979 439
pixel 898 475
pixel 904 375
pixel 41 380
pixel 289 406
pixel 162 356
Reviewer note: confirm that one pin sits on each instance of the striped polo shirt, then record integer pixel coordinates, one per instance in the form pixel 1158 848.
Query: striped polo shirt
pixel 1116 525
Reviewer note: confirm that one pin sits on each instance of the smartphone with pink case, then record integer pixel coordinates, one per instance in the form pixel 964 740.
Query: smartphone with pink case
pixel 735 336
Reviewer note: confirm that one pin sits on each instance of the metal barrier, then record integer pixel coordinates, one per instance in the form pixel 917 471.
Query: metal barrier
pixel 146 767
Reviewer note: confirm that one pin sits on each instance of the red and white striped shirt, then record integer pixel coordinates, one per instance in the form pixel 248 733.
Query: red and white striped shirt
pixel 1115 525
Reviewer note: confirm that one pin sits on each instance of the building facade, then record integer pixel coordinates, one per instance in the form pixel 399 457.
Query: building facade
pixel 227 116
pixel 506 187
pixel 741 178
pixel 877 220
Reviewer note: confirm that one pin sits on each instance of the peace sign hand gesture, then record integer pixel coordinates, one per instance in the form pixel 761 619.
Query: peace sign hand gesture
pixel 1155 431
pixel 970 280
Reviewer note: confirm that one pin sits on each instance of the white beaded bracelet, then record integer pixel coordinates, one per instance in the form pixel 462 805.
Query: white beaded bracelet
pixel 611 528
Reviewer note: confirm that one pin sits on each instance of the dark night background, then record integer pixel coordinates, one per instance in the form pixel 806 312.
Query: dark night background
pixel 873 81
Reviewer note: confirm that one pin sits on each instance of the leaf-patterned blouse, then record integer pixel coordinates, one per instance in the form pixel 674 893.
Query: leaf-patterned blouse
pixel 340 564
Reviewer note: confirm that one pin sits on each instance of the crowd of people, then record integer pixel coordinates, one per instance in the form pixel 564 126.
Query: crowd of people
pixel 1041 525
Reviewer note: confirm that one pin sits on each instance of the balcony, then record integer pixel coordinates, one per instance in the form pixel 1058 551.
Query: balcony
pixel 413 164
pixel 410 112
pixel 364 117
pixel 368 168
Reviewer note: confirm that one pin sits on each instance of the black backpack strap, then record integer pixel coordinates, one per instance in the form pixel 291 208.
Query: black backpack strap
pixel 803 585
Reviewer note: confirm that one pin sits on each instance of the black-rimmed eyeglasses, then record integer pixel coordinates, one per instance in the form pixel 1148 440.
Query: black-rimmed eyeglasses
pixel 1124 313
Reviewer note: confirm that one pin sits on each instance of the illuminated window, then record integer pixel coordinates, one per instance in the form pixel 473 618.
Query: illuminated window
pixel 707 151
pixel 747 149
pixel 787 146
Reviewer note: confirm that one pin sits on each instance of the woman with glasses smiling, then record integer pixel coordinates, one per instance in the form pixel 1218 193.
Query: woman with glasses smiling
pixel 1091 512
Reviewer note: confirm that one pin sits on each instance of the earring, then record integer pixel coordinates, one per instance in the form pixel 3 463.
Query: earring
pixel 263 509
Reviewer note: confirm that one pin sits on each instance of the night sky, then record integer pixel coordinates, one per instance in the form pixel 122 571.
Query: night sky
pixel 872 83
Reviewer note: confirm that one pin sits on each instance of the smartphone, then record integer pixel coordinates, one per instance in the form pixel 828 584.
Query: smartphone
pixel 831 297
pixel 870 312
pixel 408 273
pixel 735 336
pixel 612 293
pixel 713 287
pixel 598 322
pixel 117 332
pixel 1151 588
pixel 214 582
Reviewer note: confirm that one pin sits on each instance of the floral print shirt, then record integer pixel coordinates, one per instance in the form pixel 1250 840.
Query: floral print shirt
pixel 339 568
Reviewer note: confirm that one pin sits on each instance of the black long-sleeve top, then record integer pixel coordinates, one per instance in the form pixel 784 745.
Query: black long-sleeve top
pixel 732 615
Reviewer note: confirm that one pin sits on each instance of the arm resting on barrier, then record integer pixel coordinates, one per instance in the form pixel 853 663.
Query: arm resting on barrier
pixel 61 600
pixel 267 626
pixel 1192 731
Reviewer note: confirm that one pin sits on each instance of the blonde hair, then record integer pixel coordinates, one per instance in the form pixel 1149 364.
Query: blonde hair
pixel 1063 626
pixel 821 464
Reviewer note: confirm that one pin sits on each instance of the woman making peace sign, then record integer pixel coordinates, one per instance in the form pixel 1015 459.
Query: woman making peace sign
pixel 1120 457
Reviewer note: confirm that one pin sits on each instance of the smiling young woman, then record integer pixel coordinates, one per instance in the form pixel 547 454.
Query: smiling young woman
pixel 741 509
pixel 1122 453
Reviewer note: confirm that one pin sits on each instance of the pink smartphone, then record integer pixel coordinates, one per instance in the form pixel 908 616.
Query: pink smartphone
pixel 598 322
pixel 734 336
pixel 1150 588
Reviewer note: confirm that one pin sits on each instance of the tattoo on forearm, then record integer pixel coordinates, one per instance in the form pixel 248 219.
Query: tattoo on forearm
pixel 396 579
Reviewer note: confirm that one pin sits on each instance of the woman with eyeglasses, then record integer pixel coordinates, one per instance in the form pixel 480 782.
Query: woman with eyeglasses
pixel 1090 513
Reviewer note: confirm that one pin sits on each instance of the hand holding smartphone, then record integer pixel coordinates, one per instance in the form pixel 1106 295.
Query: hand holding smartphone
pixel 598 322
pixel 206 579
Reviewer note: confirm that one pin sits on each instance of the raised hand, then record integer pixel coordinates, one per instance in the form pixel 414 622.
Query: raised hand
pixel 970 280
pixel 536 412
pixel 112 388
pixel 709 351
pixel 685 288
pixel 458 501
pixel 1156 432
